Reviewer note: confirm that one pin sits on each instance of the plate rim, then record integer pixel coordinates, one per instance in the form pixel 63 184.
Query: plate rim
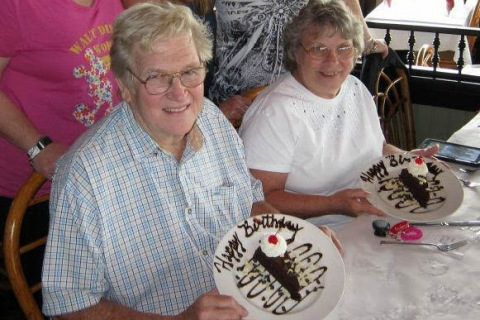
pixel 335 260
pixel 452 202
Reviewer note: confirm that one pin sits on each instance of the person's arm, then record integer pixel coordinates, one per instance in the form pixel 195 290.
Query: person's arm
pixel 107 309
pixel 427 152
pixel 378 45
pixel 210 306
pixel 14 126
pixel 17 129
pixel 390 148
pixel 234 108
pixel 262 207
pixel 350 202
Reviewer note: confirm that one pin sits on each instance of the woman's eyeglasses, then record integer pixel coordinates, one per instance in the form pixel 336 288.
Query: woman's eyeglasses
pixel 161 83
pixel 319 52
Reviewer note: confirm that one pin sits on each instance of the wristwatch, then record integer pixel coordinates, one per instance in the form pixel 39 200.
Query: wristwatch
pixel 41 144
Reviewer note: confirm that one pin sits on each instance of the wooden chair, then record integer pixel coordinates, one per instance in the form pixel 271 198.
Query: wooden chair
pixel 253 93
pixel 13 251
pixel 474 23
pixel 424 58
pixel 392 96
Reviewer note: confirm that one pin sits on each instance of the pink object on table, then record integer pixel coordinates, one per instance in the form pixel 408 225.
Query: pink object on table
pixel 411 233
pixel 405 231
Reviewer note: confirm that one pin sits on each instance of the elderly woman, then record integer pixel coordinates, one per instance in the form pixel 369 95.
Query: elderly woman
pixel 309 134
pixel 139 203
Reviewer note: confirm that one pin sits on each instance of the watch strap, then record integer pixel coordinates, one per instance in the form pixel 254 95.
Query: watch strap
pixel 39 146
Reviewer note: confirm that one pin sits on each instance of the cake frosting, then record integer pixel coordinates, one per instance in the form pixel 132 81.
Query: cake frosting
pixel 273 245
pixel 418 168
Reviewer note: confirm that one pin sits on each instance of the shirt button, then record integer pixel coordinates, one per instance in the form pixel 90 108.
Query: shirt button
pixel 189 211
pixel 205 252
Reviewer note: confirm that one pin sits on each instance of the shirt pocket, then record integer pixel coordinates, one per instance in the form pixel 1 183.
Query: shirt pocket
pixel 225 209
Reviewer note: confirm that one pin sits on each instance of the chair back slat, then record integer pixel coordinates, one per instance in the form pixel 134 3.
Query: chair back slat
pixel 474 23
pixel 392 96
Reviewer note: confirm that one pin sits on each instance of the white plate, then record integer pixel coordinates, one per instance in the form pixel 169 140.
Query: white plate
pixel 446 193
pixel 237 247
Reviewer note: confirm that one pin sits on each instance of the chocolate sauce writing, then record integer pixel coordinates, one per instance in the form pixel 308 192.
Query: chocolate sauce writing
pixel 269 294
pixel 235 248
pixel 384 175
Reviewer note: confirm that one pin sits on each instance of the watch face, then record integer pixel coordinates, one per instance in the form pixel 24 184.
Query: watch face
pixel 33 151
pixel 41 144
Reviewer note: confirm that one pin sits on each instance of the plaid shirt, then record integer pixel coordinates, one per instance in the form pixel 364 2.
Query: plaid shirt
pixel 133 225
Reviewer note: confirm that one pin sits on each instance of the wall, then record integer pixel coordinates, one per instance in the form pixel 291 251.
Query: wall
pixel 437 122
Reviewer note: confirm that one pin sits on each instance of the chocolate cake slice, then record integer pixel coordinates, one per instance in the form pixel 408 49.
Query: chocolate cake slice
pixel 281 268
pixel 417 188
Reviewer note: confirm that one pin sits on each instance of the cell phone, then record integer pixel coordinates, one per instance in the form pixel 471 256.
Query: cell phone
pixel 453 152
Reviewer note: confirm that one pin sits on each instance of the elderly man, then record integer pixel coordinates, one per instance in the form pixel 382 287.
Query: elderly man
pixel 140 202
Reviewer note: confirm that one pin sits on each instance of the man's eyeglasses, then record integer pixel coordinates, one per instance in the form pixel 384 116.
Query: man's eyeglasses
pixel 318 52
pixel 161 83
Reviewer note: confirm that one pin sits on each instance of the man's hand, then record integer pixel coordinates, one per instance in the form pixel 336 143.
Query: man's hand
pixel 213 306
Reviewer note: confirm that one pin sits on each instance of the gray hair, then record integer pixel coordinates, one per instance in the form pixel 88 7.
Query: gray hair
pixel 145 24
pixel 320 13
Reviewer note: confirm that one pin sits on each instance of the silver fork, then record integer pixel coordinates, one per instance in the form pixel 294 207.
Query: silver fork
pixel 469 184
pixel 440 246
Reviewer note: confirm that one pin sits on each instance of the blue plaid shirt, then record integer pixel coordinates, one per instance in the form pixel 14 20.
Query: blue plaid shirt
pixel 132 224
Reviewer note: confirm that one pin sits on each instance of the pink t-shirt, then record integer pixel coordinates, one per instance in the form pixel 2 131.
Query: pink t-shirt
pixel 59 72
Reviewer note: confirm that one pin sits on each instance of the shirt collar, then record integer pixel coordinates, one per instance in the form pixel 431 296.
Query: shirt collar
pixel 144 146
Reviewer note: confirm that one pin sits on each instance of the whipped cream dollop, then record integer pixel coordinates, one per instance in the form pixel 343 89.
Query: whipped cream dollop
pixel 273 245
pixel 417 167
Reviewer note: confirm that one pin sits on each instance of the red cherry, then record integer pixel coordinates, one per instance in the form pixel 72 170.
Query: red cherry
pixel 273 239
pixel 418 160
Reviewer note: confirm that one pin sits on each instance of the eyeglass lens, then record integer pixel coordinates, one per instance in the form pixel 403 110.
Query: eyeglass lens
pixel 323 52
pixel 189 78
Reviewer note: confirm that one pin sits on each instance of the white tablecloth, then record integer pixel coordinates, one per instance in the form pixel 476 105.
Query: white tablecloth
pixel 422 11
pixel 469 134
pixel 414 282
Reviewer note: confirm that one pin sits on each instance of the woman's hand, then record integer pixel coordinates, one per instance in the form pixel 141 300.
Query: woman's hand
pixel 427 152
pixel 353 202
pixel 234 108
pixel 382 47
pixel 430 153
pixel 46 160
pixel 213 306
pixel 376 46
pixel 332 235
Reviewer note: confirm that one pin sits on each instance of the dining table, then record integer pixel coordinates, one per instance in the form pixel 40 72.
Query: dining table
pixel 422 12
pixel 398 282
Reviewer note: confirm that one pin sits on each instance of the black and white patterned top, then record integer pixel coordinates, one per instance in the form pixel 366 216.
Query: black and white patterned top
pixel 249 48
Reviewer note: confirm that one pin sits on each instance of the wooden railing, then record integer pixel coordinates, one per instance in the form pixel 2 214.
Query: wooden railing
pixel 450 88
